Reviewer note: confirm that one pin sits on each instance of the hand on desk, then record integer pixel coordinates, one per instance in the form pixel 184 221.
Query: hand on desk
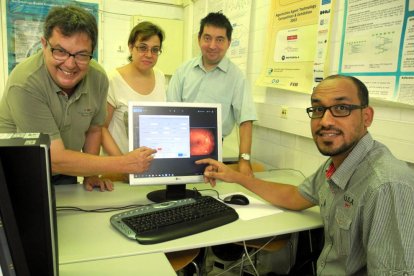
pixel 217 170
pixel 90 182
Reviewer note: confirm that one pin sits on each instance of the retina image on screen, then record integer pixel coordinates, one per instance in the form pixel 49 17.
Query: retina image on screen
pixel 181 133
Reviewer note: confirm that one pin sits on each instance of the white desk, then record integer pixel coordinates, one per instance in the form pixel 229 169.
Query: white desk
pixel 147 264
pixel 90 237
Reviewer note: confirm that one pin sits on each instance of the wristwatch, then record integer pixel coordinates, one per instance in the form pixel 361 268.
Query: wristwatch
pixel 245 156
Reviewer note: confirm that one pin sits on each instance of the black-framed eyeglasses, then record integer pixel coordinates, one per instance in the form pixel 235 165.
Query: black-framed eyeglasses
pixel 338 110
pixel 62 55
pixel 143 49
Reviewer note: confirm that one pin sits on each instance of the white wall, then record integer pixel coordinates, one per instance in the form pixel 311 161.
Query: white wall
pixel 116 23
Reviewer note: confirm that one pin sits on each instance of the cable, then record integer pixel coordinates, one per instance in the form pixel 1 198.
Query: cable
pixel 289 169
pixel 251 255
pixel 250 259
pixel 98 210
pixel 114 208
pixel 203 190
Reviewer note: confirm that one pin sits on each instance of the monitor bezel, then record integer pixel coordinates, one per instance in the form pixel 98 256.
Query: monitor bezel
pixel 173 180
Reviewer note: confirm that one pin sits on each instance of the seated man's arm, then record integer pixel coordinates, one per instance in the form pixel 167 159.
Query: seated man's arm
pixel 282 195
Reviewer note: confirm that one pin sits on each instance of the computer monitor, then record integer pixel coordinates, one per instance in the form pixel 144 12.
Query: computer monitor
pixel 12 258
pixel 181 133
pixel 25 159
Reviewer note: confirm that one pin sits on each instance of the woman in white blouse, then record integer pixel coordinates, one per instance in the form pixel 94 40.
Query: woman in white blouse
pixel 136 81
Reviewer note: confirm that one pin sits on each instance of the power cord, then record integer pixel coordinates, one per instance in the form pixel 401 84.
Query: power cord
pixel 289 169
pixel 249 256
pixel 250 259
pixel 97 210
pixel 114 208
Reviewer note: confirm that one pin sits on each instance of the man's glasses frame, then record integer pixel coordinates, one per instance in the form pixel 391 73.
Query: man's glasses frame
pixel 143 49
pixel 338 110
pixel 61 54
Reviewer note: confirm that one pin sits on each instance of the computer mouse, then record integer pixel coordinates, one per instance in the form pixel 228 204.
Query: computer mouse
pixel 236 199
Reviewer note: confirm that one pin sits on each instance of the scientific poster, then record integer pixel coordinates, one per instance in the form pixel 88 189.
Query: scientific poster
pixel 378 47
pixel 25 26
pixel 292 44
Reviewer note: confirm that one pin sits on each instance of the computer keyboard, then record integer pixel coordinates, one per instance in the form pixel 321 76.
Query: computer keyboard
pixel 160 222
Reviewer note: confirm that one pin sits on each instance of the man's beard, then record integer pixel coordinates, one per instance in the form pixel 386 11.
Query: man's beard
pixel 333 152
pixel 346 147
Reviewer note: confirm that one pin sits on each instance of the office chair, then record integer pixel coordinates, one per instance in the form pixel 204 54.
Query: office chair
pixel 179 259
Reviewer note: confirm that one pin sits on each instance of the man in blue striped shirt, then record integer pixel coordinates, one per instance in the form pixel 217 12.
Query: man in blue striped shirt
pixel 365 194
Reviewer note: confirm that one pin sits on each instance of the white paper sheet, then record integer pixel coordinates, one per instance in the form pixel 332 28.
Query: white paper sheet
pixel 255 209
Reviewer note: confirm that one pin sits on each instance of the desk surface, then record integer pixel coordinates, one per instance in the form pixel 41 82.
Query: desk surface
pixel 147 264
pixel 89 236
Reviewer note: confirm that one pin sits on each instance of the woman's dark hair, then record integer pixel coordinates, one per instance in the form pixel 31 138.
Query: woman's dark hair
pixel 143 31
pixel 216 19
pixel 71 20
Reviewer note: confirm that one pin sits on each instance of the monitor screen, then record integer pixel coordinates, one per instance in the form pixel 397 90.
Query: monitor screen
pixel 181 133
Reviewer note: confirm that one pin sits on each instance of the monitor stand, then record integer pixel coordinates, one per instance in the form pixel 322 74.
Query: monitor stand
pixel 172 192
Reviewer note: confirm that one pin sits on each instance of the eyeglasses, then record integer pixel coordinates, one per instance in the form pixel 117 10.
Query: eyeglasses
pixel 339 110
pixel 143 49
pixel 62 55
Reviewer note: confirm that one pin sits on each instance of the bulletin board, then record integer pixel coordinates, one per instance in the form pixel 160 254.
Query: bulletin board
pixel 172 46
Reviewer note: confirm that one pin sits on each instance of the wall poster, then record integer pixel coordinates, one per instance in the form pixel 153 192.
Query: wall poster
pixel 291 47
pixel 378 47
pixel 25 26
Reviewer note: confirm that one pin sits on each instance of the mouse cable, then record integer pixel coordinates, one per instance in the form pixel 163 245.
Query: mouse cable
pixel 97 210
pixel 203 190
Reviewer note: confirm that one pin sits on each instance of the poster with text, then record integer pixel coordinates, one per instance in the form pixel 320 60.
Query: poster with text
pixel 291 47
pixel 378 47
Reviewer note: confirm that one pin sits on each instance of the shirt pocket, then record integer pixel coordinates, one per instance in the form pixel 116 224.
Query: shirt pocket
pixel 342 232
pixel 83 118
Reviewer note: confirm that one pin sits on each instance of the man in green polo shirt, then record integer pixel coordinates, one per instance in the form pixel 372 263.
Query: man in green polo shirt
pixel 62 91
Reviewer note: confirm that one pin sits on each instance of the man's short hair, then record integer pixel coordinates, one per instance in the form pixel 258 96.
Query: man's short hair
pixel 71 20
pixel 363 94
pixel 216 19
